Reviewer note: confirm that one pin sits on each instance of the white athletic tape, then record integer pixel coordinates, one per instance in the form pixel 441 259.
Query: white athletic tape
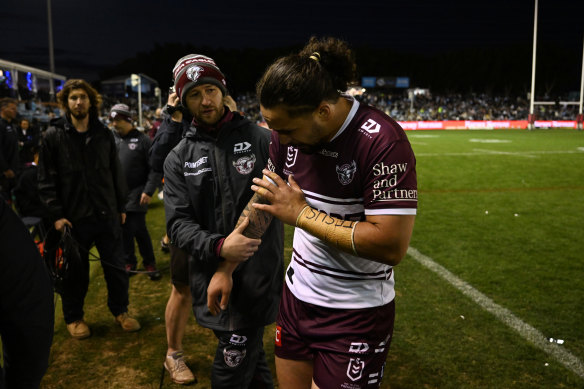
pixel 503 314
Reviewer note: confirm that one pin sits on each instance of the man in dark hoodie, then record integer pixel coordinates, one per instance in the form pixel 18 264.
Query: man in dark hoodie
pixel 83 186
pixel 133 147
pixel 208 177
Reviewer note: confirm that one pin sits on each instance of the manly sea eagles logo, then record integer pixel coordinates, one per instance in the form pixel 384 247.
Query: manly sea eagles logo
pixel 244 165
pixel 194 72
pixel 346 172
pixel 233 357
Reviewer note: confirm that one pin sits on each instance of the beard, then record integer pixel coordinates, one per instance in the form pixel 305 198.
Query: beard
pixel 80 115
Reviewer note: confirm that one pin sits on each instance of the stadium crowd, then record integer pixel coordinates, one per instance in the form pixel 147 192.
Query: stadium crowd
pixel 399 106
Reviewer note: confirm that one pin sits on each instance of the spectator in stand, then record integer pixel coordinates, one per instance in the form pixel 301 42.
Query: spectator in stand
pixel 29 138
pixel 9 159
pixel 155 124
pixel 133 148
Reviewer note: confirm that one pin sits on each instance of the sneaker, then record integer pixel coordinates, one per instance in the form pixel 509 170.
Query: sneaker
pixel 178 369
pixel 131 270
pixel 153 273
pixel 78 329
pixel 128 324
pixel 164 246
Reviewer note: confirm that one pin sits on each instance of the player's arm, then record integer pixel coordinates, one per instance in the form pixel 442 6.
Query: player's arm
pixel 381 238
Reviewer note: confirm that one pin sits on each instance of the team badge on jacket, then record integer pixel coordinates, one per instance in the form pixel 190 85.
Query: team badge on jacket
pixel 244 165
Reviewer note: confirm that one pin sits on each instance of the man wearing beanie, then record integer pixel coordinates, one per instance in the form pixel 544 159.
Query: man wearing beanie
pixel 133 147
pixel 208 177
pixel 82 184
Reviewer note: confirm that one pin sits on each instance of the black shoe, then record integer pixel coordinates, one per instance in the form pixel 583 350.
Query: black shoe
pixel 153 273
pixel 164 246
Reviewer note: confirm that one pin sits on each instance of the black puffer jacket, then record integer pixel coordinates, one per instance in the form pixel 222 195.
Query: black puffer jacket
pixel 80 175
pixel 207 186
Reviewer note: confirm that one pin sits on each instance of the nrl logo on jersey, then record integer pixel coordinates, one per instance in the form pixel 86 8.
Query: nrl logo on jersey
pixel 244 165
pixel 132 146
pixel 194 72
pixel 346 172
pixel 291 156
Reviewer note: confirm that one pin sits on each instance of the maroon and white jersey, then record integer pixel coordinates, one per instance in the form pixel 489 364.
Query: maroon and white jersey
pixel 368 168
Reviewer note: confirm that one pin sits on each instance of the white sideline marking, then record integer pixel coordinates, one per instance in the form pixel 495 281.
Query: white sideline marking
pixel 489 140
pixel 485 152
pixel 518 154
pixel 503 314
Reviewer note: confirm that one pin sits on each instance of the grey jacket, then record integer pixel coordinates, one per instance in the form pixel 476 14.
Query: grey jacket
pixel 207 180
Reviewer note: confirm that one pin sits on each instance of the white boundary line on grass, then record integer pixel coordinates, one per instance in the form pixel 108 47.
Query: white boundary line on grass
pixel 503 314
pixel 489 152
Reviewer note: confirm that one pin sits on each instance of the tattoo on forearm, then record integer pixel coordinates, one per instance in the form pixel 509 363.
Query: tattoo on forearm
pixel 258 220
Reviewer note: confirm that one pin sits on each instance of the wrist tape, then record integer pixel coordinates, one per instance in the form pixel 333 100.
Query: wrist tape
pixel 339 233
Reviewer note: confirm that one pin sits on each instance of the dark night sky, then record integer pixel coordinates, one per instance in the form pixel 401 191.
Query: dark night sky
pixel 90 36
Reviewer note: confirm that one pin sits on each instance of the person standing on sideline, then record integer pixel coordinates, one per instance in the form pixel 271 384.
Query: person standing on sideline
pixel 83 186
pixel 133 148
pixel 344 174
pixel 174 125
pixel 9 160
pixel 207 179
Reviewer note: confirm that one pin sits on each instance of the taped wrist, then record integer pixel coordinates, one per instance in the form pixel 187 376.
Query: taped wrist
pixel 337 232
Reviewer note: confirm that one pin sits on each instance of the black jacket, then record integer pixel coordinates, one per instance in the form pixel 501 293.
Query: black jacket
pixel 9 158
pixel 207 186
pixel 80 174
pixel 168 135
pixel 26 305
pixel 133 152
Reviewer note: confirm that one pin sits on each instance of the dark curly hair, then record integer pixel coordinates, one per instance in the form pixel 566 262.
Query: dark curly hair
pixel 321 71
pixel 94 96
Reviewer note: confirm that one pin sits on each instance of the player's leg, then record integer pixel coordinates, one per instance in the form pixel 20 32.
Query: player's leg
pixel 293 374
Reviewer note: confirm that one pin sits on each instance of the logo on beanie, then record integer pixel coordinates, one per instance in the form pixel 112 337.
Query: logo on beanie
pixel 194 72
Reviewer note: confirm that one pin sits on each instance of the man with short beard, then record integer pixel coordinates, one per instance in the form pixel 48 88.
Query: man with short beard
pixel 84 188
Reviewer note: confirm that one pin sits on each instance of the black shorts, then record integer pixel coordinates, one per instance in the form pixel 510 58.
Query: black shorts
pixel 240 360
pixel 348 347
pixel 179 266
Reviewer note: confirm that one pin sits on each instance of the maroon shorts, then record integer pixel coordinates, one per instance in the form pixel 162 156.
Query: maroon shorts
pixel 348 347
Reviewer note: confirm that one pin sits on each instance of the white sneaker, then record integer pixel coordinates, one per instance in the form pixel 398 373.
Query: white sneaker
pixel 178 369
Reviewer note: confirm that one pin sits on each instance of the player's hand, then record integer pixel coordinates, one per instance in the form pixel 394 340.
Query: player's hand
pixel 61 223
pixel 220 287
pixel 123 218
pixel 237 247
pixel 286 200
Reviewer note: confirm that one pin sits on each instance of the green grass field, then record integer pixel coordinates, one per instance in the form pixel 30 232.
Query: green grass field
pixel 496 267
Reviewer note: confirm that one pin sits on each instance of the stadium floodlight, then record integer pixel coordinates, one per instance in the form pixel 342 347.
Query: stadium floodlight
pixel 136 80
pixel 531 118
pixel 532 102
